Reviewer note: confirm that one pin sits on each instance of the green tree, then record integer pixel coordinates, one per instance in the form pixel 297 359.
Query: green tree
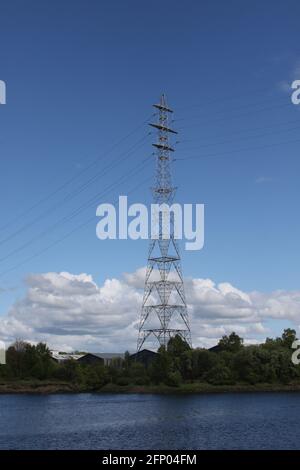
pixel 161 366
pixel 220 374
pixel 231 343
pixel 177 346
pixel 288 337
pixel 15 358
pixel 173 379
pixel 138 374
pixel 202 361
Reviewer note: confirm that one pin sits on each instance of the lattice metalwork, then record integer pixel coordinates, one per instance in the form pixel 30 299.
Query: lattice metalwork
pixel 164 311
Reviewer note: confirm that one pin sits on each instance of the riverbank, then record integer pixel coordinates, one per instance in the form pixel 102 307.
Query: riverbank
pixel 50 387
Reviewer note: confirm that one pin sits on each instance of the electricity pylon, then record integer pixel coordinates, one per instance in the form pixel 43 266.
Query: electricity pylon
pixel 164 310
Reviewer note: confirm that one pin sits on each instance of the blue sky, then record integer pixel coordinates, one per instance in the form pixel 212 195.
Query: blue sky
pixel 81 76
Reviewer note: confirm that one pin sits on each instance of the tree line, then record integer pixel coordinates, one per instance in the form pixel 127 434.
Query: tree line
pixel 229 363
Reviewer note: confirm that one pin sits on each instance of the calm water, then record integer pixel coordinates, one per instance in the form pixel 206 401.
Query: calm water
pixel 91 421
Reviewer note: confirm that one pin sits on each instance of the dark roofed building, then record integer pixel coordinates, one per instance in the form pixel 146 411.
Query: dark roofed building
pixel 145 356
pixel 105 359
pixel 217 348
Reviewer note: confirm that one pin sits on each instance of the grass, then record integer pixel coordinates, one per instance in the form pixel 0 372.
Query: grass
pixel 54 386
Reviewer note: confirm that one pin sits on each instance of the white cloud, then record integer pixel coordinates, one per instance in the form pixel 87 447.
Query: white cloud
pixel 136 279
pixel 70 311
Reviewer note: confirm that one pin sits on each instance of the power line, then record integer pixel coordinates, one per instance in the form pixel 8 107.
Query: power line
pixel 77 191
pixel 246 138
pixel 59 240
pixel 226 118
pixel 69 217
pixel 73 178
pixel 239 150
pixel 251 129
pixel 84 185
pixel 224 99
pixel 237 108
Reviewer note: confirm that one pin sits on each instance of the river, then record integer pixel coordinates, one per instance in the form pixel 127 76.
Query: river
pixel 114 421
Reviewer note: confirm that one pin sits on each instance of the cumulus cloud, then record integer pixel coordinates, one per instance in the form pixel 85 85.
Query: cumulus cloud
pixel 70 311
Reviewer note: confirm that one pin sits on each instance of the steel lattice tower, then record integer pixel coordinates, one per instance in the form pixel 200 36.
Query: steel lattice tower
pixel 164 310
